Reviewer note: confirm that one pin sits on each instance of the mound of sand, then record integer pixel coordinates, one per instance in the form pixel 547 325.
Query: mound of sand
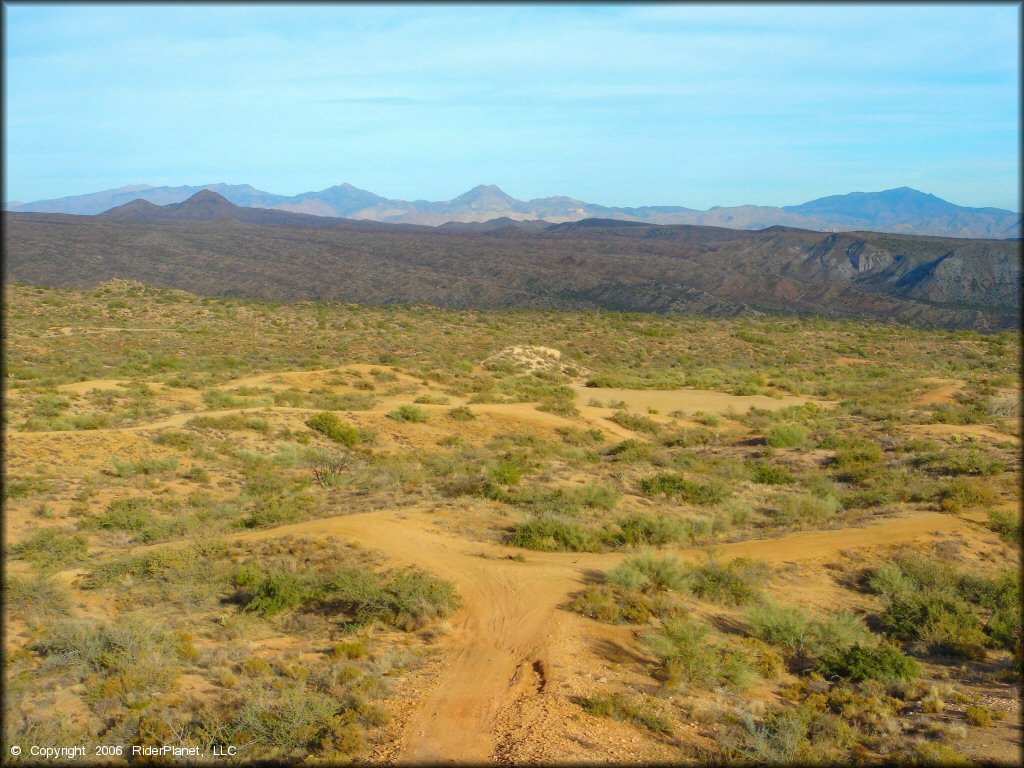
pixel 531 359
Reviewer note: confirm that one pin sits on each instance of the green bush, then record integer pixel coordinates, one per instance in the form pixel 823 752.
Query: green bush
pixel 461 413
pixel 640 529
pixel 560 407
pixel 930 601
pixel 50 548
pixel 798 508
pixel 648 574
pixel 673 485
pixel 275 592
pixel 549 533
pixel 134 515
pixel 232 422
pixel 328 424
pixel 36 596
pixel 635 422
pixel 1006 525
pixel 640 711
pixel 607 603
pixel 267 511
pixel 787 436
pixel 737 582
pixel 685 656
pixel 884 662
pixel 803 637
pixel 581 438
pixel 408 413
pixel 146 466
pixel 767 474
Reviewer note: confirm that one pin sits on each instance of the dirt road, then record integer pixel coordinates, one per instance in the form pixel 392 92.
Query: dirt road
pixel 506 640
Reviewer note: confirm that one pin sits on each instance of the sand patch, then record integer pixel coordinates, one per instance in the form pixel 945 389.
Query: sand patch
pixel 944 394
pixel 686 401
pixel 958 432
pixel 534 359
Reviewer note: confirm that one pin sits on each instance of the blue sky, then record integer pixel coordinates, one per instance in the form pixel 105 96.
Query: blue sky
pixel 639 105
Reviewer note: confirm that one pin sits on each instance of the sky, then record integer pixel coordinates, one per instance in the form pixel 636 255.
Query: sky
pixel 619 105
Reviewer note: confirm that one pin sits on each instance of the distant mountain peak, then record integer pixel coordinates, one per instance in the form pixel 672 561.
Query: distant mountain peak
pixel 486 197
pixel 207 196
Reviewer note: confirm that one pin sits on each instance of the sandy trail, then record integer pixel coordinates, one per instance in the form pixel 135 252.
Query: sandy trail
pixel 505 639
pixel 945 394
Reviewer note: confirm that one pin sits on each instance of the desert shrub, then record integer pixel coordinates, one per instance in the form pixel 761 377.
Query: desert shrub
pixel 641 529
pixel 164 564
pixel 35 596
pixel 328 424
pixel 180 440
pixel 1005 524
pixel 806 638
pixel 231 422
pixel 978 715
pixel 963 492
pixel 673 485
pixel 630 451
pixel 640 710
pixel 884 662
pixel 737 582
pixel 857 459
pixel 407 599
pixel 50 548
pixel 945 623
pixel 217 398
pixel 550 533
pixel 793 508
pixel 131 661
pixel 649 574
pixel 560 406
pixel 461 413
pixel 686 657
pixel 779 737
pixel 275 592
pixel 596 496
pixel 635 422
pixel 410 413
pixel 605 602
pixel 297 721
pixel 930 601
pixel 146 466
pixel 707 419
pixel 268 510
pixel 683 654
pixel 787 436
pixel 508 470
pixel 16 488
pixel 768 474
pixel 581 438
pixel 133 515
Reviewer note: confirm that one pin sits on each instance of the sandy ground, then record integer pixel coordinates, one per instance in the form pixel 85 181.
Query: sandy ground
pixel 688 401
pixel 510 647
pixel 501 687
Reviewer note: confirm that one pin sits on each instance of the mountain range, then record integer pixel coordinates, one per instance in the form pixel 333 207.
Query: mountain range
pixel 208 245
pixel 899 211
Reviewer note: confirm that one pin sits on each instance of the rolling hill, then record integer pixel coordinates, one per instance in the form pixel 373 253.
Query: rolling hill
pixel 209 245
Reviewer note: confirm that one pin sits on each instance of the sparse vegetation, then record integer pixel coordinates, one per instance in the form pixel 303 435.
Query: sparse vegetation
pixel 292 645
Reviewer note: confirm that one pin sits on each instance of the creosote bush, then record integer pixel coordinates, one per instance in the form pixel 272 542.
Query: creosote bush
pixel 329 425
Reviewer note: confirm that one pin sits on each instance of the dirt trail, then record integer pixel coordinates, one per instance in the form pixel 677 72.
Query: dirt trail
pixel 505 634
pixel 945 394
pixel 497 637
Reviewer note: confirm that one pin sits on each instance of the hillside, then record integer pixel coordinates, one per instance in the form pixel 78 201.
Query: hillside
pixel 336 534
pixel 209 246
pixel 901 211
